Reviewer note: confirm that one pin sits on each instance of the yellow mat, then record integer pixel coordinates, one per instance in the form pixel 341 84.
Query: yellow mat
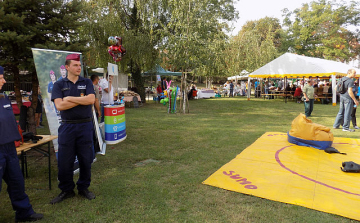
pixel 275 169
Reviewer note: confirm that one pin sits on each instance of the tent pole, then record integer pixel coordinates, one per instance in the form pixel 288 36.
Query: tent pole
pixel 285 85
pixel 249 89
pixel 333 86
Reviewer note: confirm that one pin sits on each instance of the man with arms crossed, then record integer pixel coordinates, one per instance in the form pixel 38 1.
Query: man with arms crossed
pixel 73 97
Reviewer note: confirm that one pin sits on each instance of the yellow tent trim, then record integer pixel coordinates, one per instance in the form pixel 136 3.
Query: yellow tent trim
pixel 296 75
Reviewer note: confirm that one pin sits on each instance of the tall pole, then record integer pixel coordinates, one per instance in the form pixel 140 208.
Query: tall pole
pixel 249 88
pixel 333 86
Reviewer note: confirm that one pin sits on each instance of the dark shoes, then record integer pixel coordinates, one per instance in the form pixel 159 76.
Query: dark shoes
pixel 87 194
pixel 69 194
pixel 62 196
pixel 33 217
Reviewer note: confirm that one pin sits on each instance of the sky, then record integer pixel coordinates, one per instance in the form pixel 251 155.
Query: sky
pixel 257 9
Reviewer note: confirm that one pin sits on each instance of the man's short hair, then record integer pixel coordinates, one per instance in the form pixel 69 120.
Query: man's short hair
pixel 94 77
pixel 67 62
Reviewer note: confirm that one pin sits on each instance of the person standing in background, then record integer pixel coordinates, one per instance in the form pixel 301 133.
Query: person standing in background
pixel 231 94
pixel 107 97
pixel 298 94
pixel 95 80
pixel 309 98
pixel 159 91
pixel 353 112
pixel 347 101
pixel 163 84
pixel 39 109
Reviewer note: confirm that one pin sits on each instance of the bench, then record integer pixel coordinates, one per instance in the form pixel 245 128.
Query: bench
pixel 277 95
pixel 322 98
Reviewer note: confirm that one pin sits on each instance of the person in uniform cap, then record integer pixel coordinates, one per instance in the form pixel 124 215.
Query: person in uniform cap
pixel 73 97
pixel 9 162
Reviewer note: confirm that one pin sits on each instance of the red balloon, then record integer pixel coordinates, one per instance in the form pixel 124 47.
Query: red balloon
pixel 117 51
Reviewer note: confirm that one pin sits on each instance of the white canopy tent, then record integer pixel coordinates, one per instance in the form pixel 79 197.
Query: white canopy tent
pixel 295 66
pixel 244 75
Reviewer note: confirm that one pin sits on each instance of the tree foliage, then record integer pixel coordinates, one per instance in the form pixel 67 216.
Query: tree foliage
pixel 44 24
pixel 195 31
pixel 135 22
pixel 257 43
pixel 194 37
pixel 36 23
pixel 320 29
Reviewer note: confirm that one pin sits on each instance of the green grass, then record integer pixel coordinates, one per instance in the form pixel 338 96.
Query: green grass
pixel 190 148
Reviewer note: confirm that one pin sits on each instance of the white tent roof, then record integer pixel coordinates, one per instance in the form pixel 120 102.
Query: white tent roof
pixel 243 76
pixel 292 65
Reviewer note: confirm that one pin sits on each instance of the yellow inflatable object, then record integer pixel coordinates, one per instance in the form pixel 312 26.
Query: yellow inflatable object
pixel 165 93
pixel 304 128
pixel 306 133
pixel 275 169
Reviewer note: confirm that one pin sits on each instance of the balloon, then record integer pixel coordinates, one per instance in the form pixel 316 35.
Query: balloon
pixel 166 99
pixel 165 93
pixel 168 84
pixel 162 101
pixel 116 50
pixel 112 40
pixel 118 40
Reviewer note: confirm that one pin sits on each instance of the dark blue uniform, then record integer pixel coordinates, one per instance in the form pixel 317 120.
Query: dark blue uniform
pixel 75 134
pixel 9 162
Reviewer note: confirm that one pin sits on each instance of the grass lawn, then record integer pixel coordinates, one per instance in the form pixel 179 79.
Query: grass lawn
pixel 190 148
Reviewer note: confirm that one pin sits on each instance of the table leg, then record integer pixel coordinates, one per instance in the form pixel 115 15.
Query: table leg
pixel 26 167
pixel 22 163
pixel 49 165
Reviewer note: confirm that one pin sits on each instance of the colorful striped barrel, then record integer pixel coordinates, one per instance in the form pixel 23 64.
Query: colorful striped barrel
pixel 115 128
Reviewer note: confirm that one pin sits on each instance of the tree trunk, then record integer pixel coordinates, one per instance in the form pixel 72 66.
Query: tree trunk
pixel 17 84
pixel 185 102
pixel 138 81
pixel 32 109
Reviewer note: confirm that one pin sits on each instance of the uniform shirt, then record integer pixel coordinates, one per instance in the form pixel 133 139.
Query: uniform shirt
pixel 105 96
pixel 66 88
pixel 8 128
